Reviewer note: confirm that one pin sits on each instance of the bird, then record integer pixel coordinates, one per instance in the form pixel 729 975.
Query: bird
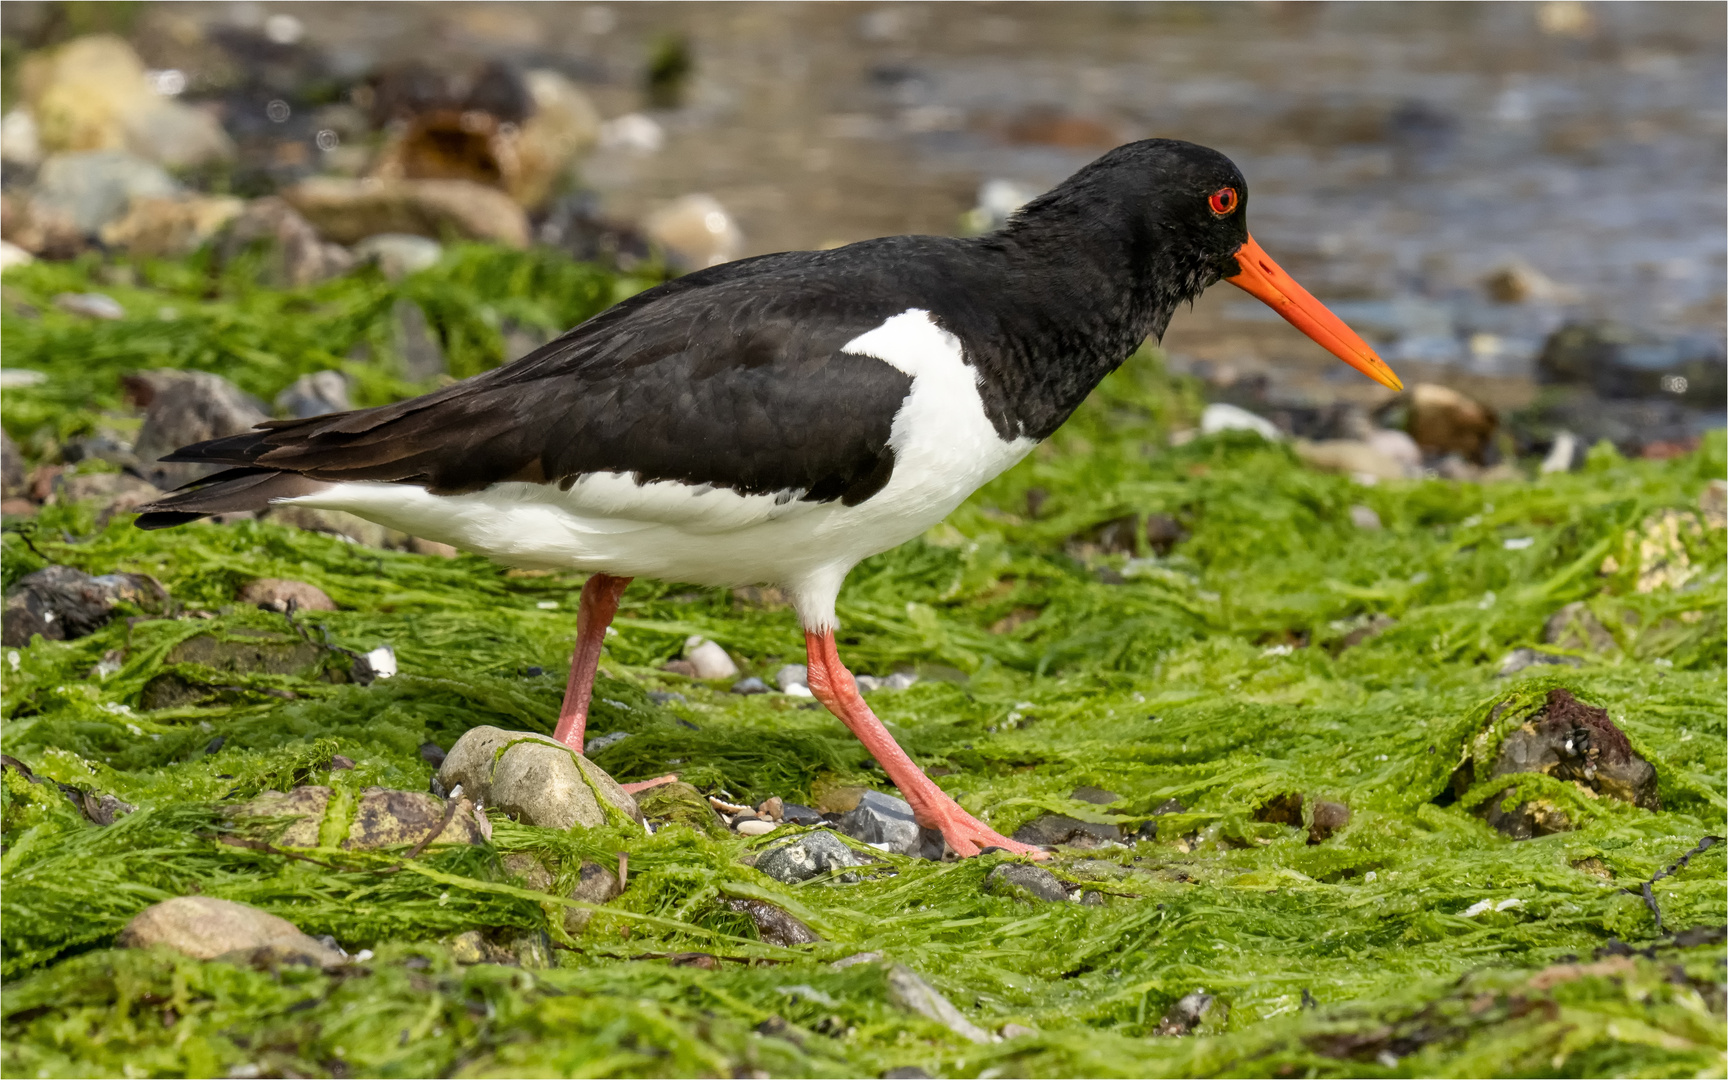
pixel 778 419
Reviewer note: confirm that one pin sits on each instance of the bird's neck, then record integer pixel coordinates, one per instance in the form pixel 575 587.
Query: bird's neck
pixel 1080 296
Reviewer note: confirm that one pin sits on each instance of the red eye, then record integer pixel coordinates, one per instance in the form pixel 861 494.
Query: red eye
pixel 1223 201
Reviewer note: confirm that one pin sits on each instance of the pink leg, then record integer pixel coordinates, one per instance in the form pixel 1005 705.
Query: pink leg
pixel 934 808
pixel 600 596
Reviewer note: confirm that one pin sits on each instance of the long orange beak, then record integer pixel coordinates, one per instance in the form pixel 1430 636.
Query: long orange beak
pixel 1267 282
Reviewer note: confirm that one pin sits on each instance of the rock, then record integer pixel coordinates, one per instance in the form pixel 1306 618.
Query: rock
pixel 679 667
pixel 754 827
pixel 178 136
pixel 316 394
pixel 888 821
pixel 96 188
pixel 1364 518
pixel 997 201
pixel 387 818
pixel 907 990
pixel 1353 457
pixel 1024 882
pixel 751 685
pixel 399 254
pixel 1220 416
pixel 278 594
pixel 20 141
pixel 432 754
pixel 1620 362
pixel 11 466
pixel 422 357
pixel 1574 743
pixel 62 604
pixel 115 493
pixel 1059 829
pixel 792 676
pixel 1281 809
pixel 563 126
pixel 1518 282
pixel 1575 627
pixel 12 255
pixel 708 660
pixel 238 651
pixel 299 256
pixel 595 884
pixel 809 856
pixel 775 925
pixel 534 779
pixel 793 814
pixel 1444 421
pixel 600 742
pixel 695 231
pixel 158 227
pixel 678 803
pixel 1396 446
pixel 1327 818
pixel 206 927
pixel 348 211
pixel 1163 533
pixel 1191 1011
pixel 93 305
pixel 502 945
pixel 306 805
pixel 184 407
pixel 1519 659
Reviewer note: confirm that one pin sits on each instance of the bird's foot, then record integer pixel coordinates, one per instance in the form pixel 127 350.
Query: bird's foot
pixel 968 836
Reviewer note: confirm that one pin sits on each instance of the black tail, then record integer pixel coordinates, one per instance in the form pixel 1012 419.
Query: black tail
pixel 226 492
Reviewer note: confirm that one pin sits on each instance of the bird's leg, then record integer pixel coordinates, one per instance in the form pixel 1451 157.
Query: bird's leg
pixel 934 808
pixel 600 596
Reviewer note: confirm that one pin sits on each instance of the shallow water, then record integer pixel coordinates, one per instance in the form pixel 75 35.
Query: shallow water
pixel 1395 153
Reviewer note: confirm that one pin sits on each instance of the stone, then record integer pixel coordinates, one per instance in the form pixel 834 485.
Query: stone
pixel 1397 446
pixel 888 821
pixel 306 805
pixel 298 255
pixel 181 408
pixel 563 126
pixel 160 227
pixel 811 855
pixel 278 594
pixel 388 818
pixel 206 927
pixel 1163 533
pixel 751 685
pixel 96 188
pixel 1326 818
pixel 695 231
pixel 534 779
pixel 1353 457
pixel 595 884
pixel 1519 659
pixel 708 660
pixel 317 394
pixel 1364 518
pixel 20 140
pixel 774 924
pixel 1620 362
pixel 237 651
pixel 63 604
pixel 348 211
pixel 417 347
pixel 93 305
pixel 1052 830
pixel 1191 1012
pixel 908 990
pixel 1575 627
pixel 678 803
pixel 399 254
pixel 1444 421
pixel 1024 882
pixel 1518 282
pixel 1220 416
pixel 793 814
pixel 754 827
pixel 12 255
pixel 1574 743
pixel 502 945
pixel 178 136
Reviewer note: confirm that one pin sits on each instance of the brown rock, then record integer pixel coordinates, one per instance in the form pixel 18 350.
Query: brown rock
pixel 306 805
pixel 206 927
pixel 278 594
pixel 158 227
pixel 299 255
pixel 1444 421
pixel 1575 627
pixel 351 210
pixel 1328 818
pixel 388 818
pixel 184 407
pixel 1285 809
pixel 775 925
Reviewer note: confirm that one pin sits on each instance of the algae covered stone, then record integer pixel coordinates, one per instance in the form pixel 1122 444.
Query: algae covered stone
pixel 379 818
pixel 534 779
pixel 678 803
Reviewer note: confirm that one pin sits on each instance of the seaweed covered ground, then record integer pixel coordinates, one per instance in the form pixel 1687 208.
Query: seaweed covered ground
pixel 1267 646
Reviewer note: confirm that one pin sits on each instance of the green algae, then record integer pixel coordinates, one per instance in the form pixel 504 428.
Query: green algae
pixel 1216 674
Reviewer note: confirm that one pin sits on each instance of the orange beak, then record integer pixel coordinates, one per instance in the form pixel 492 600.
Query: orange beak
pixel 1267 282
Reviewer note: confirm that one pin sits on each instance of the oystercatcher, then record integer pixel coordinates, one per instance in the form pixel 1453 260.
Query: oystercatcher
pixel 778 419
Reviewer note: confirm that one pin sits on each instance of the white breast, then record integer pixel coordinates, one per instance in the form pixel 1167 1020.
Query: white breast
pixel 944 449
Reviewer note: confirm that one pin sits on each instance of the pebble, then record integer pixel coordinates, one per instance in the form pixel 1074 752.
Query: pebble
pixel 1328 818
pixel 1189 1012
pixel 298 254
pixel 1026 883
pixel 793 814
pixel 751 685
pixel 1053 829
pixel 695 231
pixel 316 394
pixel 755 827
pixel 1220 416
pixel 792 675
pixel 908 990
pixel 91 188
pixel 774 924
pixel 600 742
pixel 809 856
pixel 206 927
pixel 91 305
pixel 1572 742
pixel 885 820
pixel 1364 518
pixel 708 660
pixel 1443 421
pixel 279 594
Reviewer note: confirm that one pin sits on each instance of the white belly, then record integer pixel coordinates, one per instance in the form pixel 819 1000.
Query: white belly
pixel 945 448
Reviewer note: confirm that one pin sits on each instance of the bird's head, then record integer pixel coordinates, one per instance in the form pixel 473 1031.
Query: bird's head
pixel 1188 204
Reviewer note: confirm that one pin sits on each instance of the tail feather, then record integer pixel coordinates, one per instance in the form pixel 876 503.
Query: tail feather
pixel 226 492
